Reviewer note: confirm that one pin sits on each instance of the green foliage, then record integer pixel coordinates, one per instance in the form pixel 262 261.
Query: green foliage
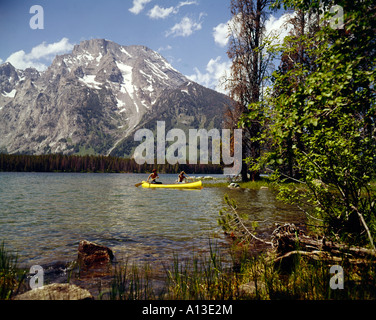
pixel 230 219
pixel 322 124
pixel 237 225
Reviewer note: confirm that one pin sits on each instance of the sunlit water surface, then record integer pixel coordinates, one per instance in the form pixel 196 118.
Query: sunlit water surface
pixel 43 216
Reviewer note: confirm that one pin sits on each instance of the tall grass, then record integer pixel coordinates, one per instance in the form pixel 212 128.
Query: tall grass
pixel 247 277
pixel 208 278
pixel 131 283
pixel 10 276
pixel 214 277
pixel 303 278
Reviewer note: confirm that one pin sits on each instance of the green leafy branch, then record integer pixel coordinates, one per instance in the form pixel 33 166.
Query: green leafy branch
pixel 233 224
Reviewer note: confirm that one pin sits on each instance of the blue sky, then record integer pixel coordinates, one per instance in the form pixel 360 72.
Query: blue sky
pixel 190 34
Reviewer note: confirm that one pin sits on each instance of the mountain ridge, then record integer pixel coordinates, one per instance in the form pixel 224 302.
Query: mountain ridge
pixel 92 100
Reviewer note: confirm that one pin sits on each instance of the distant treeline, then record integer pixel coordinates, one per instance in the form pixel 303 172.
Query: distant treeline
pixel 95 164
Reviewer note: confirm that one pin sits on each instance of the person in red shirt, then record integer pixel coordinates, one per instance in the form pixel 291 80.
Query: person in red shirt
pixel 153 177
pixel 182 177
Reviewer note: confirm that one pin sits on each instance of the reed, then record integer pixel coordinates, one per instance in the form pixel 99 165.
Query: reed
pixel 207 277
pixel 259 277
pixel 213 276
pixel 201 278
pixel 302 278
pixel 11 277
pixel 131 283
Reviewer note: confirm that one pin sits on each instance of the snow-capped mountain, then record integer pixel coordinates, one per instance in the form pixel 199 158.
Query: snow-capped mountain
pixel 93 99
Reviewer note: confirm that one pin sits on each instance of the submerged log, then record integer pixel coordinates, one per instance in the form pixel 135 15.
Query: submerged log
pixel 288 241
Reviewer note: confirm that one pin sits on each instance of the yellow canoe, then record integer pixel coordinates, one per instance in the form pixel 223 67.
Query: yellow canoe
pixel 189 185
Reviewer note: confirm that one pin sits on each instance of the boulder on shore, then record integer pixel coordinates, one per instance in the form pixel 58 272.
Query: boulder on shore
pixel 56 291
pixel 92 255
pixel 233 185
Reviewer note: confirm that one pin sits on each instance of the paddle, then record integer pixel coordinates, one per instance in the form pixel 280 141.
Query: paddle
pixel 138 184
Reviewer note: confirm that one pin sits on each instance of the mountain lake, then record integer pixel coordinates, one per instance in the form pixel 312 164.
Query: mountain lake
pixel 43 216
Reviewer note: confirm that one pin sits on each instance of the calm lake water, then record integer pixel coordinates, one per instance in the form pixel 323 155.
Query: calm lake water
pixel 43 216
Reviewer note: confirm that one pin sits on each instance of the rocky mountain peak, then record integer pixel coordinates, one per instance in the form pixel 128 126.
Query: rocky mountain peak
pixel 8 78
pixel 90 100
pixel 93 45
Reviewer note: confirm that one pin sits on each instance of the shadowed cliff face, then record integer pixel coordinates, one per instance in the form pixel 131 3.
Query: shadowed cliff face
pixel 92 100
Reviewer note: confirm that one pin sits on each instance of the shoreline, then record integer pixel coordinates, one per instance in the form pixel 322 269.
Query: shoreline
pixel 256 276
pixel 192 271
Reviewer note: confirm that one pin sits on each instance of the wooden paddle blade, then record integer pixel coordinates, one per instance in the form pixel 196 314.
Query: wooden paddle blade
pixel 138 184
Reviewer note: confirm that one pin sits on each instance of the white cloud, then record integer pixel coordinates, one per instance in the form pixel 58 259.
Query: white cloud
pixel 278 28
pixel 161 13
pixel 138 6
pixel 184 28
pixel 216 71
pixel 221 34
pixel 186 3
pixel 39 55
pixel 168 47
pixel 44 50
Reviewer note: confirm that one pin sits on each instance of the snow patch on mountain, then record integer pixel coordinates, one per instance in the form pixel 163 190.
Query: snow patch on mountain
pixel 156 70
pixel 120 104
pixel 10 94
pixel 126 52
pixel 89 80
pixel 127 84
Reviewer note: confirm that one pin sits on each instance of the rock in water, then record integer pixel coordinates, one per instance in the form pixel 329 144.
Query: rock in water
pixel 92 255
pixel 56 291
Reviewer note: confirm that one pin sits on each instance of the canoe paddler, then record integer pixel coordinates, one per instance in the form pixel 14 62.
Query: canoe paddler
pixel 182 177
pixel 153 177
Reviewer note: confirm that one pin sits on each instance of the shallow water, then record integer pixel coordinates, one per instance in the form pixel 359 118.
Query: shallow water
pixel 43 216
